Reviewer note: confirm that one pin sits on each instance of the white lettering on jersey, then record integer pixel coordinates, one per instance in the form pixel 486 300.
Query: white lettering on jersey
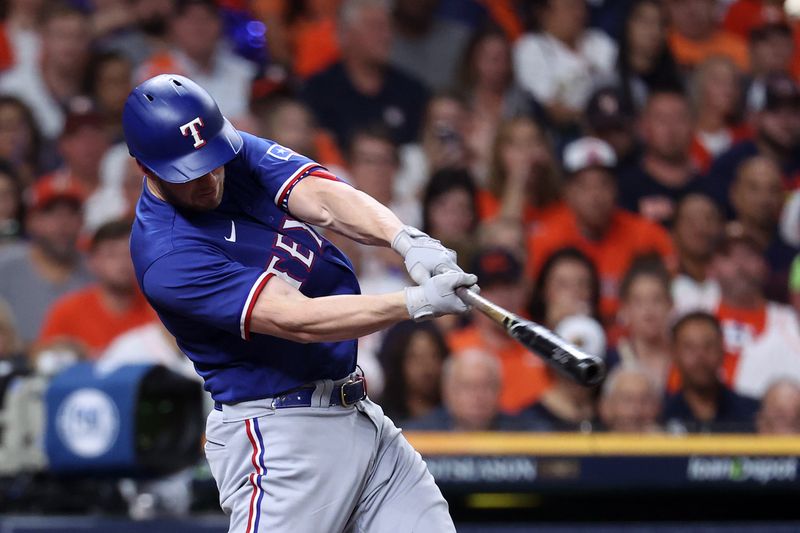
pixel 307 260
pixel 193 127
pixel 282 274
pixel 296 224
pixel 232 238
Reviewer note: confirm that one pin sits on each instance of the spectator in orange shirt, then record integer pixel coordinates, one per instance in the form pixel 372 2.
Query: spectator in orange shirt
pixel 97 314
pixel 524 179
pixel 524 376
pixel 695 34
pixel 609 236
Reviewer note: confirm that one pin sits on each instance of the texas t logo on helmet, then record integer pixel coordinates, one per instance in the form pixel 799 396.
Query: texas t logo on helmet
pixel 193 127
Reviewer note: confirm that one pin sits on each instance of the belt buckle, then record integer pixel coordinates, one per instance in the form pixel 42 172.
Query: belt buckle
pixel 344 401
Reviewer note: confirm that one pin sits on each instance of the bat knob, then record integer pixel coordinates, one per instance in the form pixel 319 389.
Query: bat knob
pixel 590 371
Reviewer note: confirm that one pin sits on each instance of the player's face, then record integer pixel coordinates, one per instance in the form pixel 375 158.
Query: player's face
pixel 201 194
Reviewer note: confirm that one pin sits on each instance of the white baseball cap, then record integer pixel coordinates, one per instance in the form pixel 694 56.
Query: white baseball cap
pixel 588 152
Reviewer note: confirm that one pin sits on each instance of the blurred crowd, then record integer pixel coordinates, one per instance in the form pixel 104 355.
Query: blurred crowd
pixel 626 173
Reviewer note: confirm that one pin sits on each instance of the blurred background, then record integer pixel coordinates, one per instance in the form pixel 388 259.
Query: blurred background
pixel 625 172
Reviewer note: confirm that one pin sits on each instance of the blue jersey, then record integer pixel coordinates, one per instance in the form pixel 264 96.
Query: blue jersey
pixel 203 271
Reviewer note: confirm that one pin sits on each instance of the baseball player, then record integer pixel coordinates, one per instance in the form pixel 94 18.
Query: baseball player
pixel 267 310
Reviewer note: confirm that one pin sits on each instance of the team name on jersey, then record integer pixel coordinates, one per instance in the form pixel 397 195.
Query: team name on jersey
pixel 280 265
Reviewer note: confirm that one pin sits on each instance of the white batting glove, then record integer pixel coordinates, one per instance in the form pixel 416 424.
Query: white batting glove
pixel 424 256
pixel 437 296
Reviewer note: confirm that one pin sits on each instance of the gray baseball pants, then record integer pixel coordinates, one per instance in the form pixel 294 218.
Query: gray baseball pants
pixel 325 469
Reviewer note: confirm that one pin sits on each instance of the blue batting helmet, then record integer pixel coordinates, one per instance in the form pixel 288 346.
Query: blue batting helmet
pixel 175 129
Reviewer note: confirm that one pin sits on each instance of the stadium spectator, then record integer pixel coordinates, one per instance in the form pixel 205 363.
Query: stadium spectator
pixel 780 409
pixel 13 360
pixel 198 52
pixel 645 62
pixel 490 93
pixel 20 141
pixel 449 211
pixel 611 237
pixel 776 126
pixel 48 85
pixel 772 47
pixel 94 316
pixel 471 384
pixel 695 34
pixel 425 45
pixel 147 35
pixel 558 63
pixel 567 405
pixel 703 402
pixel 411 357
pixel 665 173
pixel 644 313
pixel 524 179
pixel 742 17
pixel 109 80
pixel 757 195
pixel 10 205
pixel 363 87
pixel 630 401
pixel 696 230
pixel 609 118
pixel 524 375
pixel 21 26
pixel 716 97
pixel 762 338
pixel 35 274
pixel 442 144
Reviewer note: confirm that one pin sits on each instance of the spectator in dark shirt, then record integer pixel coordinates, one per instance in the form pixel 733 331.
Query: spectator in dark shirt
pixel 704 403
pixel 665 173
pixel 776 125
pixel 363 88
pixel 471 393
pixel 610 118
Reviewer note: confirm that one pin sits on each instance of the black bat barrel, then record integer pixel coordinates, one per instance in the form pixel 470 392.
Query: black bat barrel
pixel 584 368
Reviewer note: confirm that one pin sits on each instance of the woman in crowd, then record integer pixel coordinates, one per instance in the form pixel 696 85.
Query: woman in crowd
pixel 523 179
pixel 412 356
pixel 644 313
pixel 20 141
pixel 109 80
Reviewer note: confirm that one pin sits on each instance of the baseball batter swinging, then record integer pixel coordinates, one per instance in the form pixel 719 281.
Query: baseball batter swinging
pixel 267 310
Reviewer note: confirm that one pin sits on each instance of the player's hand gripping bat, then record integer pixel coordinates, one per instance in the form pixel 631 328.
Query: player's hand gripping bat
pixel 584 368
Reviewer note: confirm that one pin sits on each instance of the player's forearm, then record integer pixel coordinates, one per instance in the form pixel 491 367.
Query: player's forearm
pixel 345 210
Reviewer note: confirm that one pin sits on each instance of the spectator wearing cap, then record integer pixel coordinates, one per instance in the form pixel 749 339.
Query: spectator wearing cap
pixel 776 135
pixel 524 376
pixel 772 49
pixel 608 235
pixel 695 35
pixel 35 274
pixel 743 17
pixel 567 405
pixel 665 172
pixel 426 45
pixel 610 118
pixel 645 62
pixel 757 197
pixel 95 315
pixel 198 52
pixel 559 62
pixel 471 387
pixel 630 401
pixel 779 413
pixel 703 402
pixel 363 87
pixel 715 89
pixel 696 231
pixel 761 337
pixel 524 178
pixel 49 84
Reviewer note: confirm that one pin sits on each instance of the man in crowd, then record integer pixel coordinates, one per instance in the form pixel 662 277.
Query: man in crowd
pixel 96 315
pixel 780 409
pixel 363 87
pixel 610 236
pixel 704 403
pixel 34 275
pixel 630 401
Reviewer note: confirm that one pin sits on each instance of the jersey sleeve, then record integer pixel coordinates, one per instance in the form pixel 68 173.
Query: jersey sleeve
pixel 204 285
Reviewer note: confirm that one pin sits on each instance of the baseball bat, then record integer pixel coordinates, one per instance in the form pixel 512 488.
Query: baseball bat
pixel 584 368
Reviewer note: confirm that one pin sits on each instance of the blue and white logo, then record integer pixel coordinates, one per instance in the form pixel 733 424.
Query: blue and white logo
pixel 280 152
pixel 88 422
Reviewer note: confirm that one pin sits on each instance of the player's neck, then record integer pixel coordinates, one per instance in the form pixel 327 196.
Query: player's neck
pixel 154 189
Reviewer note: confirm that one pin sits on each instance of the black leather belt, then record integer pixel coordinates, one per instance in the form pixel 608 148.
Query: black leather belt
pixel 346 394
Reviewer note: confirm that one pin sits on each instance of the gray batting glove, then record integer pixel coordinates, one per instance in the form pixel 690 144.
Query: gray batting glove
pixel 424 256
pixel 437 296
